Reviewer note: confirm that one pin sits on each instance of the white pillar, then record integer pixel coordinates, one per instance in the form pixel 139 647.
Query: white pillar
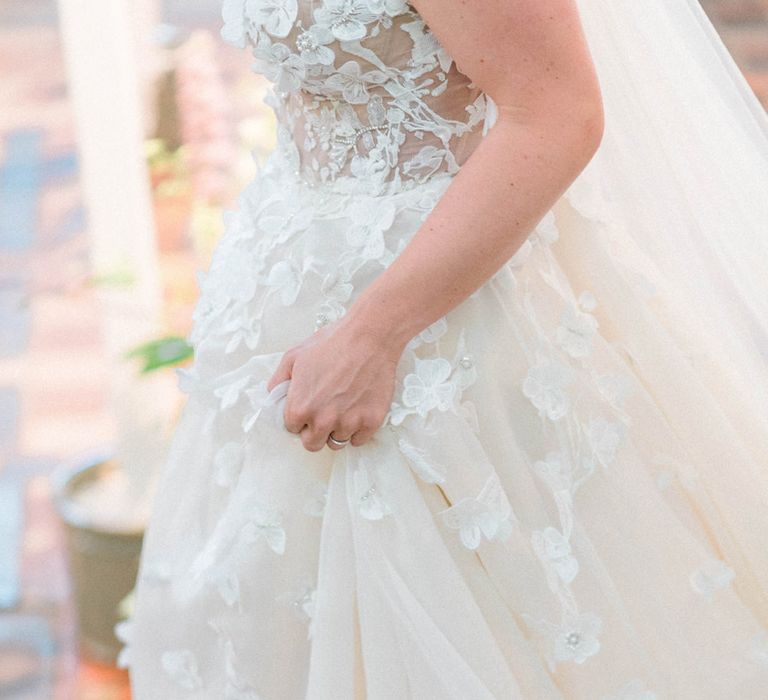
pixel 104 69
pixel 107 46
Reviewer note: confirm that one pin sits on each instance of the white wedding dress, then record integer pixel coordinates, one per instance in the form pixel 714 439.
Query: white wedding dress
pixel 567 499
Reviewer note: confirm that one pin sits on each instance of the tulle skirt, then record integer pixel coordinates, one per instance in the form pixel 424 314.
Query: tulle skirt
pixel 567 500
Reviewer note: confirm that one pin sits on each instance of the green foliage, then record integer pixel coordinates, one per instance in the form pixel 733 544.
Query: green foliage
pixel 162 352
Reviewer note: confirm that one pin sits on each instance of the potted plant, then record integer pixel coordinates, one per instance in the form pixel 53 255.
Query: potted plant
pixel 104 512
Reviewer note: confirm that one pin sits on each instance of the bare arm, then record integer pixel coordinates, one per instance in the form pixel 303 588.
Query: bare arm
pixel 531 58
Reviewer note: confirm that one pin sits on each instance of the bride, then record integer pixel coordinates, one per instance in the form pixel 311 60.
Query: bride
pixel 479 403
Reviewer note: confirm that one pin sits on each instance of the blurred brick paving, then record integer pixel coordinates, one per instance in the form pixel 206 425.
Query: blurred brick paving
pixel 52 375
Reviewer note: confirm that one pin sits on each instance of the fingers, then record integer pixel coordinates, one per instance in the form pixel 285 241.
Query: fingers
pixel 314 435
pixel 358 431
pixel 315 431
pixel 283 370
pixel 370 422
pixel 338 436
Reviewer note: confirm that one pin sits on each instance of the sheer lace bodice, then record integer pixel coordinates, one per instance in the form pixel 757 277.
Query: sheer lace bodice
pixel 366 99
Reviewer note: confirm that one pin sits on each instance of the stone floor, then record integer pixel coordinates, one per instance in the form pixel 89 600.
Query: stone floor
pixel 52 372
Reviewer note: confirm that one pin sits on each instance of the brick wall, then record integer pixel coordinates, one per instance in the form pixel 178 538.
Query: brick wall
pixel 743 25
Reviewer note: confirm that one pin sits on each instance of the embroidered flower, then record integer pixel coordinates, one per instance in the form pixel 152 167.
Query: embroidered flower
pixel 352 83
pixel 267 523
pixel 488 515
pixel 372 166
pixel 370 503
pixel 181 666
pixel 234 30
pixel 345 18
pixel 312 45
pixel 286 277
pixel 545 386
pixel 244 328
pixel 285 69
pixel 429 386
pixel 605 437
pixel 577 639
pixel 556 470
pixel 301 601
pixel 276 16
pixel 390 7
pixel 371 222
pixel 712 575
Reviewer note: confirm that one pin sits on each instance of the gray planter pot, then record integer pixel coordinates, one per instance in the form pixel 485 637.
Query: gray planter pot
pixel 103 564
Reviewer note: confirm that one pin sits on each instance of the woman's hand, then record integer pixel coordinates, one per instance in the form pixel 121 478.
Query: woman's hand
pixel 342 381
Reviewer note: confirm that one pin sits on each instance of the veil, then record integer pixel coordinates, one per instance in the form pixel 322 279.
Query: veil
pixel 675 201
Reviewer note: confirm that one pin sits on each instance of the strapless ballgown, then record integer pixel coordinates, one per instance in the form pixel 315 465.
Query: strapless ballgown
pixel 567 499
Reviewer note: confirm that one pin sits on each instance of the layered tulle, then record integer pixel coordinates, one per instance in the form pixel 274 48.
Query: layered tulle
pixel 565 500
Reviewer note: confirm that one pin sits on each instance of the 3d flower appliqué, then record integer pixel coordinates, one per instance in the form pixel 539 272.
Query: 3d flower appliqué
pixel 352 83
pixel 280 66
pixel 574 640
pixel 429 386
pixel 301 601
pixel 545 386
pixel 286 277
pixel 266 523
pixel 345 18
pixel 605 437
pixel 276 16
pixel 489 515
pixel 367 236
pixel 312 45
pixel 554 548
pixel 370 502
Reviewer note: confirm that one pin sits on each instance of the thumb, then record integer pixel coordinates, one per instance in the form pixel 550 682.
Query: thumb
pixel 282 372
